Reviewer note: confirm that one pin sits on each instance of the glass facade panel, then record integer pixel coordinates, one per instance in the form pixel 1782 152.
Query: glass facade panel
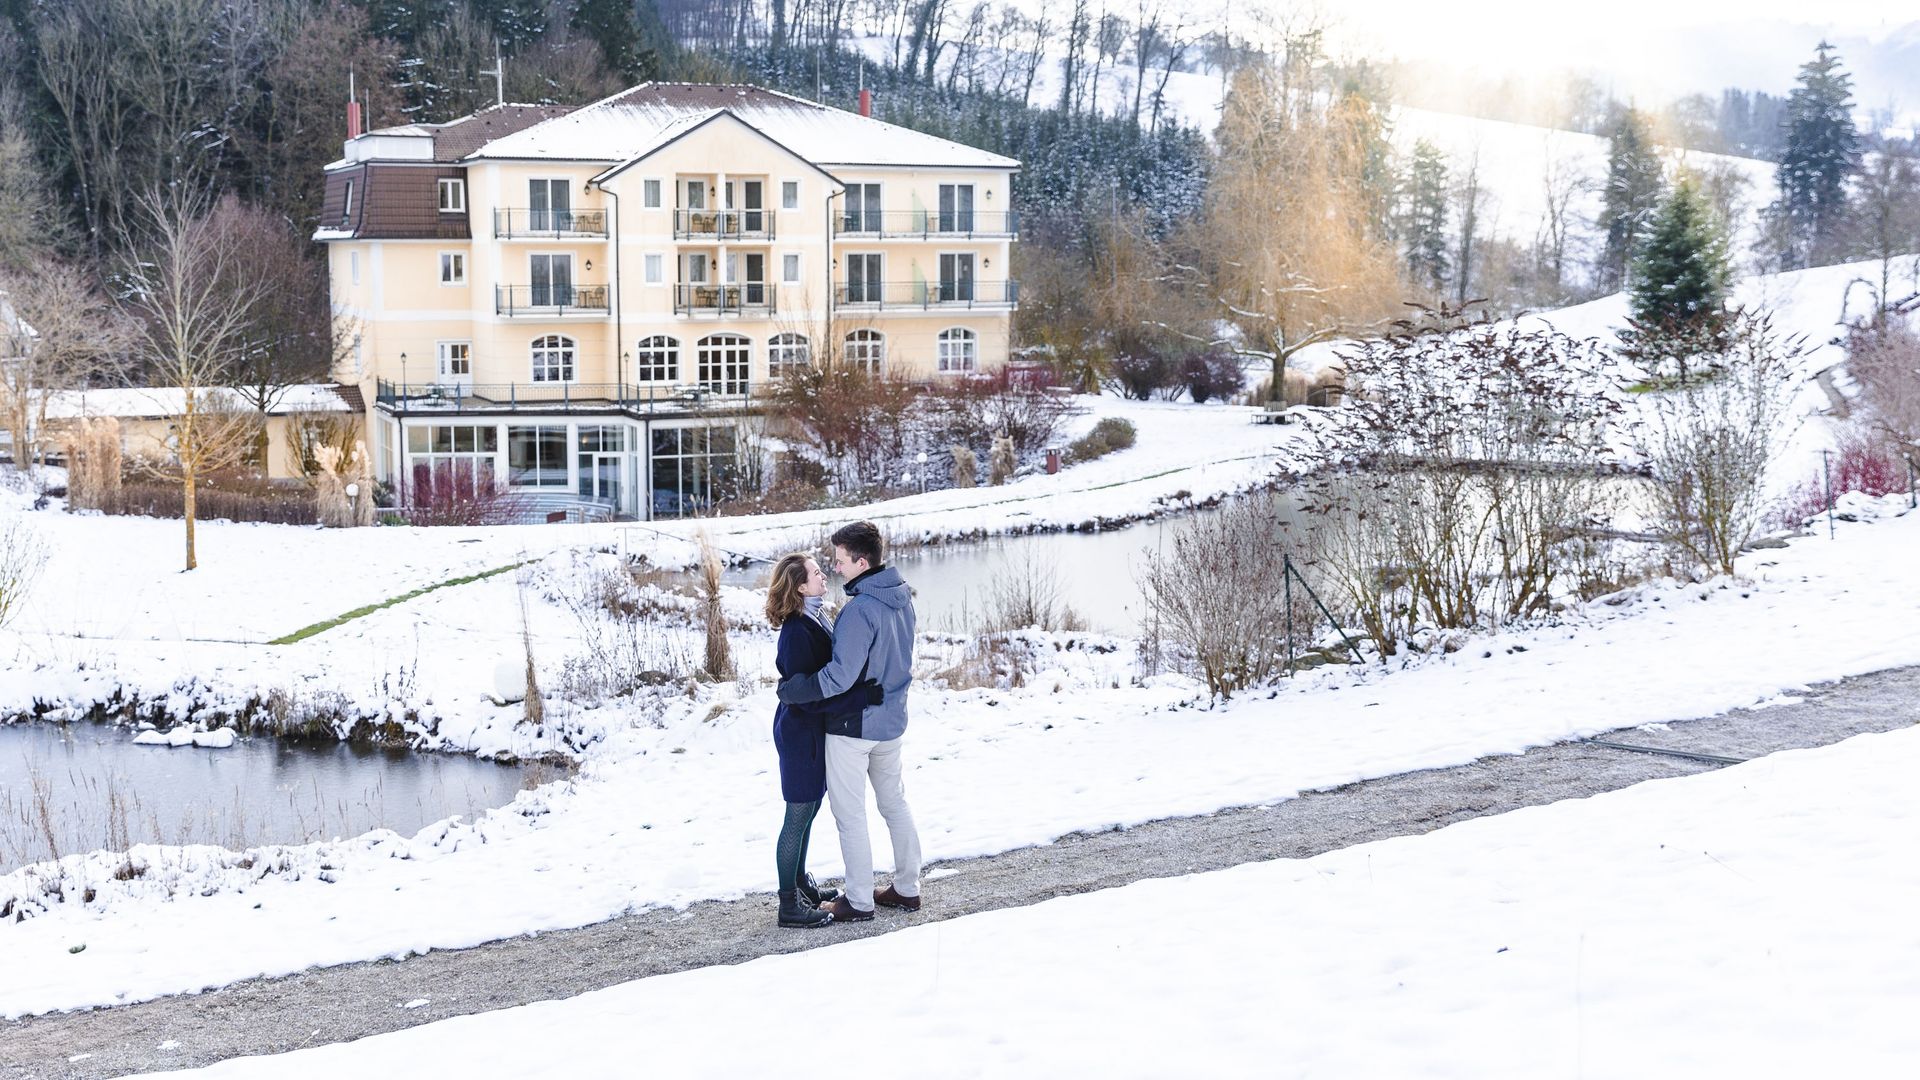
pixel 537 456
pixel 693 468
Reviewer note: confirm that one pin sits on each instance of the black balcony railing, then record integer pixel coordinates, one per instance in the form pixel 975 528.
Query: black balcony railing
pixel 508 224
pixel 733 298
pixel 928 223
pixel 926 295
pixel 723 224
pixel 550 300
pixel 456 398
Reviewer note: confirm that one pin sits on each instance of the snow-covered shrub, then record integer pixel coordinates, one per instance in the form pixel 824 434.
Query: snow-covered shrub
pixel 1022 595
pixel 23 554
pixel 1211 375
pixel 1885 360
pixel 1217 596
pixel 1144 376
pixel 456 493
pixel 1109 434
pixel 1711 443
pixel 630 633
pixel 1859 463
pixel 974 411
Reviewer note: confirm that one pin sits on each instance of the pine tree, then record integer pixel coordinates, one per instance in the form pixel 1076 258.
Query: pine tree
pixel 1679 293
pixel 1634 186
pixel 624 47
pixel 1422 219
pixel 1822 150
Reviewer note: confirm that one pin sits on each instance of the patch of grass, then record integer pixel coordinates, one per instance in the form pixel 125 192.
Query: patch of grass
pixel 306 632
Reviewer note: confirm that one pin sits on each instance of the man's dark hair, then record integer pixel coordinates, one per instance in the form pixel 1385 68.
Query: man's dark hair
pixel 862 541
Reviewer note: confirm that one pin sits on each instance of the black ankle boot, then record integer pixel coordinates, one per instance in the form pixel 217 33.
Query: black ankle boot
pixel 812 893
pixel 797 912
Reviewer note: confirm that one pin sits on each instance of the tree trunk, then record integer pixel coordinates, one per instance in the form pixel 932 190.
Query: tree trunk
pixel 187 508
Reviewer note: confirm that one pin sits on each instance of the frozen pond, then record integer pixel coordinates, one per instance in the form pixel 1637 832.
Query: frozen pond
pixel 83 786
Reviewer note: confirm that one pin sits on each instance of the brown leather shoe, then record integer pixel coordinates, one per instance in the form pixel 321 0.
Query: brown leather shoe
pixel 894 900
pixel 843 911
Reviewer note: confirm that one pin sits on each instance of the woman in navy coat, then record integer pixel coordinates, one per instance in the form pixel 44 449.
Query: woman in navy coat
pixel 794 598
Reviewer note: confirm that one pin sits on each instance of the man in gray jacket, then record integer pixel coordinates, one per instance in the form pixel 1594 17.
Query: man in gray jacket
pixel 872 639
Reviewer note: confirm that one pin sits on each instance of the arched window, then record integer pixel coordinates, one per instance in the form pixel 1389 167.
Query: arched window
pixel 867 351
pixel 788 352
pixel 657 359
pixel 725 362
pixel 959 350
pixel 553 358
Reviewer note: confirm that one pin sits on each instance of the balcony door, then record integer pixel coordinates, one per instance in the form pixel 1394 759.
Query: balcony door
pixel 552 280
pixel 549 206
pixel 956 277
pixel 753 284
pixel 863 279
pixel 456 365
pixel 752 206
pixel 956 208
pixel 863 208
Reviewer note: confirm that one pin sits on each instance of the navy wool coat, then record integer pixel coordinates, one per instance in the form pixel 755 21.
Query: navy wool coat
pixel 800 731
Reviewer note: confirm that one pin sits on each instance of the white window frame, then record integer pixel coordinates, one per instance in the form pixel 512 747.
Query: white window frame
pixel 788 350
pixel 653 268
pixel 646 364
pixel 652 192
pixel 458 280
pixel 353 266
pixel 872 353
pixel 784 204
pixel 452 192
pixel 945 362
pixel 440 351
pixel 346 212
pixel 568 367
pixel 723 362
pixel 799 267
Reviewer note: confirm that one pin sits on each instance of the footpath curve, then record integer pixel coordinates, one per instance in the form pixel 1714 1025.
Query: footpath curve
pixel 336 1004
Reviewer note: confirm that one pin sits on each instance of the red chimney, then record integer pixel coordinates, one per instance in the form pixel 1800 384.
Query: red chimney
pixel 353 119
pixel 866 102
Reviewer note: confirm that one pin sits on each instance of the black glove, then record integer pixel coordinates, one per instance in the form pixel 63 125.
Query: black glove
pixel 874 694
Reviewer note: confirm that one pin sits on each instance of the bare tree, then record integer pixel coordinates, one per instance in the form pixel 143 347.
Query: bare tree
pixel 1468 197
pixel 191 309
pixel 56 333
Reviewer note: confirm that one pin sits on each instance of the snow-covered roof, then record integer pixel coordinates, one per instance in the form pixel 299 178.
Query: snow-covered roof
pixel 154 402
pixel 637 121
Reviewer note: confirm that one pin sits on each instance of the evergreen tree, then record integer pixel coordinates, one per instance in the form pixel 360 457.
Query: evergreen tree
pixel 1422 217
pixel 624 47
pixel 1634 186
pixel 1679 293
pixel 1822 150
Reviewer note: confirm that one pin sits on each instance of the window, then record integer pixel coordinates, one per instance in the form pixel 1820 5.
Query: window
pixel 453 195
pixel 959 350
pixel 725 361
pixel 657 360
pixel 456 360
pixel 788 352
pixel 537 456
pixel 553 358
pixel 346 208
pixel 601 455
pixel 790 268
pixel 650 194
pixel 655 269
pixel 453 268
pixel 863 279
pixel 552 280
pixel 549 206
pixel 789 194
pixel 863 209
pixel 455 456
pixel 693 468
pixel 353 266
pixel 956 208
pixel 956 278
pixel 866 351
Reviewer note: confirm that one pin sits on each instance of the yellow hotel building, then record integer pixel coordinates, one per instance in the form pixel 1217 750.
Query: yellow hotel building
pixel 583 302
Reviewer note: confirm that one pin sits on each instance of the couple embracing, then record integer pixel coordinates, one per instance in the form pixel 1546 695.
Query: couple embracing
pixel 839 725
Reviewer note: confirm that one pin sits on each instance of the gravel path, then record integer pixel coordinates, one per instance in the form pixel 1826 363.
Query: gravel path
pixel 349 1002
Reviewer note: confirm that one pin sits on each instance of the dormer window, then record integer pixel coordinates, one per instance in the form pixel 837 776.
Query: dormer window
pixel 453 195
pixel 346 208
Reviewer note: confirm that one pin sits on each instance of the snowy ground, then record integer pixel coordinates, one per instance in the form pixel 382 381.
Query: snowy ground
pixel 676 801
pixel 1753 922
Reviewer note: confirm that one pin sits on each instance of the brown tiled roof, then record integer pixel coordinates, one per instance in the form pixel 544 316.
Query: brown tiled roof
pixel 352 396
pixel 392 202
pixel 456 139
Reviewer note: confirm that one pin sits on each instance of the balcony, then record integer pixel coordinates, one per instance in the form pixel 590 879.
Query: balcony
pixel 457 398
pixel 709 225
pixel 733 298
pixel 927 295
pixel 928 224
pixel 550 301
pixel 549 224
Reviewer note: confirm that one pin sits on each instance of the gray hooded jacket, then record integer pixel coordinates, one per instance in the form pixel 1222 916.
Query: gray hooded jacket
pixel 874 634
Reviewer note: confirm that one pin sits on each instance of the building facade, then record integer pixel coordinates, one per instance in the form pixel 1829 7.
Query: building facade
pixel 585 303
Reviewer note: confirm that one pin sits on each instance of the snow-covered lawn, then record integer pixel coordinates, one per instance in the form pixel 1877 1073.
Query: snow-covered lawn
pixel 686 810
pixel 1755 922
